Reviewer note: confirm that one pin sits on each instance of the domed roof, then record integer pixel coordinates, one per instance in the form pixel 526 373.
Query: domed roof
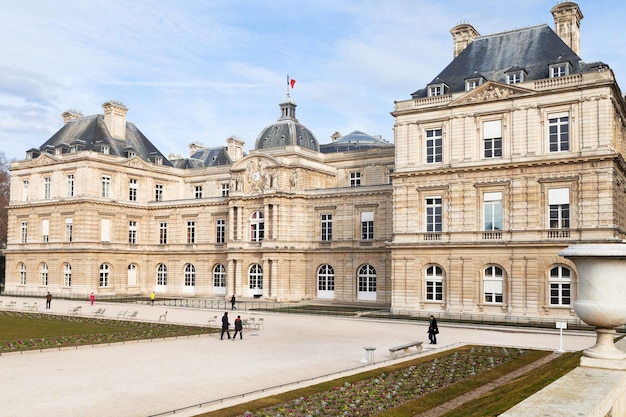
pixel 287 130
pixel 354 141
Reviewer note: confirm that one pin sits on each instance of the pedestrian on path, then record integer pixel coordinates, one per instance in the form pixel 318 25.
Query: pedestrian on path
pixel 48 300
pixel 238 328
pixel 233 300
pixel 433 330
pixel 225 325
pixel 92 298
pixel 152 298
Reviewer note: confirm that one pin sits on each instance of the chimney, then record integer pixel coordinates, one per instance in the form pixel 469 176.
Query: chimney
pixel 71 114
pixel 115 118
pixel 194 147
pixel 235 148
pixel 567 17
pixel 335 136
pixel 463 34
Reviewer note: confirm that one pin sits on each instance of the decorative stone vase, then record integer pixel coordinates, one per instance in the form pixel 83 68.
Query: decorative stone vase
pixel 601 300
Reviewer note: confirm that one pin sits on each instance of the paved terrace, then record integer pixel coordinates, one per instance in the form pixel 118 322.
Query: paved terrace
pixel 161 376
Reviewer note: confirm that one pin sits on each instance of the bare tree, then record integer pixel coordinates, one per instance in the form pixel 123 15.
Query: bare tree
pixel 5 183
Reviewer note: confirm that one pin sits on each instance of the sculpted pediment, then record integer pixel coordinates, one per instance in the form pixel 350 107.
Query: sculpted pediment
pixel 43 159
pixel 255 174
pixel 135 162
pixel 491 91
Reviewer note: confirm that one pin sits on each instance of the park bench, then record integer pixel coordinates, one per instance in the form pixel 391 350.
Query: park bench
pixel 122 314
pixel 163 317
pixel 132 315
pixel 406 348
pixel 74 311
pixel 99 312
pixel 11 305
pixel 31 307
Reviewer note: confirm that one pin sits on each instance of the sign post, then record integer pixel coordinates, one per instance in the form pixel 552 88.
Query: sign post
pixel 561 325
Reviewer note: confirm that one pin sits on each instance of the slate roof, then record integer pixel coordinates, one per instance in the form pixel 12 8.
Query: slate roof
pixel 90 133
pixel 205 157
pixel 531 49
pixel 354 141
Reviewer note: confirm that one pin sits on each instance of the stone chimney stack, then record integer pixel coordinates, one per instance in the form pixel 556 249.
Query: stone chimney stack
pixel 463 34
pixel 567 17
pixel 115 118
pixel 194 147
pixel 235 148
pixel 71 114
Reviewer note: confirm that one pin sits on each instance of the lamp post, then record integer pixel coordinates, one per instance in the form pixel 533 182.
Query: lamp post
pixel 601 300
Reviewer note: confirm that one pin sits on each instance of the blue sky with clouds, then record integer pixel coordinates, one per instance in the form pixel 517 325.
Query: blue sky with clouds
pixel 201 71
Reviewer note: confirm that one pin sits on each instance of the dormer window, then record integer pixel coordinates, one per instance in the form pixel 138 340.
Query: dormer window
pixel 158 160
pixel 437 89
pixel 73 149
pixel 105 149
pixel 472 83
pixel 130 154
pixel 559 70
pixel 515 77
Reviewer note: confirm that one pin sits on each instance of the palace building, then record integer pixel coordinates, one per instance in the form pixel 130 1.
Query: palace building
pixel 511 153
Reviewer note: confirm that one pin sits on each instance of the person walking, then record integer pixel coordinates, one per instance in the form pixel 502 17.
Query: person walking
pixel 152 298
pixel 92 298
pixel 225 325
pixel 48 300
pixel 433 330
pixel 233 300
pixel 238 328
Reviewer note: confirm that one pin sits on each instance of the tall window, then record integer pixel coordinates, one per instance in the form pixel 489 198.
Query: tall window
pixel 191 231
pixel 434 214
pixel 366 283
pixel 327 227
pixel 22 271
pixel 492 211
pixel 434 146
pixel 434 283
pixel 255 277
pixel 558 200
pixel 133 186
pixel 43 272
pixel 197 190
pixel 67 275
pixel 69 230
pixel 25 184
pixel 162 233
pixel 492 282
pixel 70 185
pixel 492 139
pixel 558 126
pixel 161 275
pixel 325 281
pixel 106 186
pixel 45 230
pixel 560 286
pixel 219 276
pixel 46 188
pixel 367 225
pixel 24 231
pixel 257 226
pixel 105 230
pixel 225 189
pixel 220 231
pixel 104 275
pixel 355 179
pixel 132 232
pixel 558 70
pixel 190 275
pixel 158 192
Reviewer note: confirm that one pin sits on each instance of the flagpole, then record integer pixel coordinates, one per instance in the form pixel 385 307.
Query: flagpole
pixel 287 85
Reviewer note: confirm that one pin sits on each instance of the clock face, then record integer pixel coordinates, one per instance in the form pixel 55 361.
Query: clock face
pixel 256 176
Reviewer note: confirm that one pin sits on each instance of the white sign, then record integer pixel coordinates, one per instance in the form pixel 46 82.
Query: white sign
pixel 561 325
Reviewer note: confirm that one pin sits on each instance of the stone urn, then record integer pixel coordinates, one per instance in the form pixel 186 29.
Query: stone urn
pixel 601 300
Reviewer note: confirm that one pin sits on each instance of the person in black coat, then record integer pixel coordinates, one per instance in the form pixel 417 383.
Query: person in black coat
pixel 225 325
pixel 238 328
pixel 433 330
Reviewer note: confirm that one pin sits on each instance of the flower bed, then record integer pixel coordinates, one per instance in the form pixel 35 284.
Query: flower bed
pixel 389 390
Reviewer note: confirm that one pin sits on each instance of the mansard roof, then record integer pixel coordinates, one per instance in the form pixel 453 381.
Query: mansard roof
pixel 91 133
pixel 531 49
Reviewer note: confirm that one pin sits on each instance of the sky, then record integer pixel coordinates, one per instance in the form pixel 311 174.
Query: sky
pixel 202 71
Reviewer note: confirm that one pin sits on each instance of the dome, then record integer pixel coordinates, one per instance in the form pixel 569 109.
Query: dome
pixel 355 141
pixel 287 131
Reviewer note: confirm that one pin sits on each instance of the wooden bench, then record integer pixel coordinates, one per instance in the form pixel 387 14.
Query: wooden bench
pixel 405 348
pixel 75 311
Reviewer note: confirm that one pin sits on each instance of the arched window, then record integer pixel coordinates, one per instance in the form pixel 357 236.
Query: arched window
pixel 67 275
pixel 257 226
pixel 21 268
pixel 43 272
pixel 434 283
pixel 492 284
pixel 255 278
pixel 560 286
pixel 326 282
pixel 161 275
pixel 219 279
pixel 104 275
pixel 190 275
pixel 366 283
